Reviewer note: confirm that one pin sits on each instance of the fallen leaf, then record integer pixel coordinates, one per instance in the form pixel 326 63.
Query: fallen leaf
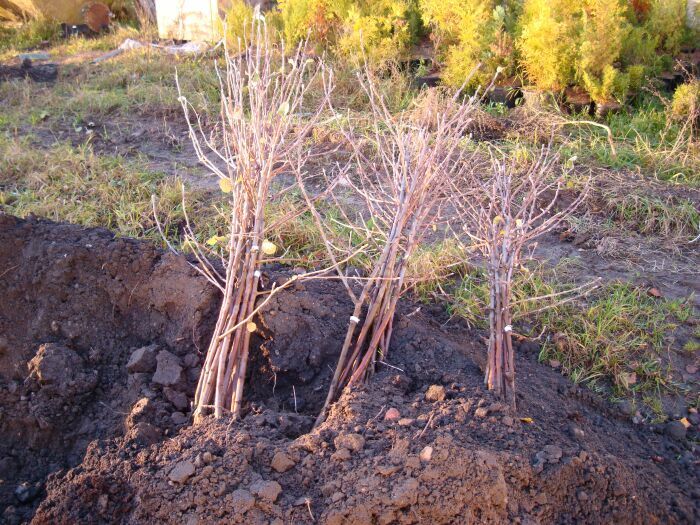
pixel 527 420
pixel 685 422
pixel 251 326
pixel 554 363
pixel 654 292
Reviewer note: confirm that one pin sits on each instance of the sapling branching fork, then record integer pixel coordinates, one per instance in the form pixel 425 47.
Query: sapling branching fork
pixel 259 131
pixel 503 214
pixel 401 169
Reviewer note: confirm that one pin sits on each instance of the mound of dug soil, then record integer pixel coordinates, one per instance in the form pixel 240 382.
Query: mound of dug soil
pixel 99 357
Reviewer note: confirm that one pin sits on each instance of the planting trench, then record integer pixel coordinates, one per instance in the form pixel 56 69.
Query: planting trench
pixel 101 341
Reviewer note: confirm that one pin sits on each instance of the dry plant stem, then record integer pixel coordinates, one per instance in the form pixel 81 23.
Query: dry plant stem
pixel 258 134
pixel 507 212
pixel 403 185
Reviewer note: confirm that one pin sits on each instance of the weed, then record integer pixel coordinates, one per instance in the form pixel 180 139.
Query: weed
pixel 653 215
pixel 691 346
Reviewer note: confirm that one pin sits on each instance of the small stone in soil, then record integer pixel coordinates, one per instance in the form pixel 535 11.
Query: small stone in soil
pixel 142 360
pixel 281 462
pixel 178 418
pixel 426 454
pixel 576 432
pixel 553 452
pixel 178 399
pixel 352 442
pixel 481 412
pixel 168 369
pixel 181 472
pixel 267 490
pixel 342 454
pixel 26 492
pixel 392 415
pixel 435 393
pixel 242 500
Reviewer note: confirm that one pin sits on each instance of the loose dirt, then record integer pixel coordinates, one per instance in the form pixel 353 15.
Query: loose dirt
pixel 102 339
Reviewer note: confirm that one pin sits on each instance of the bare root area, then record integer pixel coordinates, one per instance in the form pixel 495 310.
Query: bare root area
pixel 97 385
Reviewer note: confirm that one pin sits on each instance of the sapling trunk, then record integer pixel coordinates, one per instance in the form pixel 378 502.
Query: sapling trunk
pixel 258 136
pixel 503 214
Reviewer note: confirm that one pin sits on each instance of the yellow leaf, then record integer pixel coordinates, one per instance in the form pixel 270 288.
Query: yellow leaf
pixel 216 239
pixel 519 223
pixel 268 247
pixel 527 420
pixel 225 185
pixel 251 327
pixel 283 109
pixel 497 220
pixel 685 422
pixel 434 227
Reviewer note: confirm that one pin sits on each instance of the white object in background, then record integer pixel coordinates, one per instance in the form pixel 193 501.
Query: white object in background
pixel 196 20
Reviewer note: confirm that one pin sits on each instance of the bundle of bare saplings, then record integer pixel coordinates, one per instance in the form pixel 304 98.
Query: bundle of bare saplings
pixel 406 170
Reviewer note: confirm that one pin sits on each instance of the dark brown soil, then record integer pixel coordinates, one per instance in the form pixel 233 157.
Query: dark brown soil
pixel 83 439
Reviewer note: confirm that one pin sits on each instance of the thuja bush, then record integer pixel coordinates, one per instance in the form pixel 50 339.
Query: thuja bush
pixel 666 23
pixel 315 19
pixel 548 42
pixel 372 30
pixel 236 20
pixel 685 104
pixel 469 33
pixel 378 30
pixel 603 29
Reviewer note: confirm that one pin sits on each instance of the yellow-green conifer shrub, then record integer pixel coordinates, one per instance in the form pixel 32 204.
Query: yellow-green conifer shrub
pixel 548 42
pixel 667 23
pixel 377 30
pixel 604 28
pixel 315 19
pixel 237 17
pixel 686 101
pixel 462 31
pixel 469 33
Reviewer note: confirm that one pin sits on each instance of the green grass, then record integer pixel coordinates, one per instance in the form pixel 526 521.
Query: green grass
pixel 66 183
pixel 652 215
pixel 645 139
pixel 137 84
pixel 613 340
pixel 617 337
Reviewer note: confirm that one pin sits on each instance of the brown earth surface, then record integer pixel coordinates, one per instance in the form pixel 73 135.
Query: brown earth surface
pixel 101 343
